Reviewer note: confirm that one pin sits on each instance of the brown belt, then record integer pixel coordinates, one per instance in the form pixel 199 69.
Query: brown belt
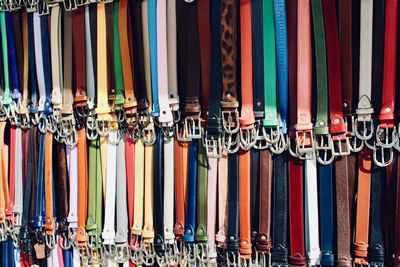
pixel 49 225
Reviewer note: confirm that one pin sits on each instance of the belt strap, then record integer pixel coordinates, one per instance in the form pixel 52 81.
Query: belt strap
pixel 201 227
pixel 265 204
pixel 280 211
pixel 296 211
pixel 376 248
pixel 342 212
pixel 165 118
pixel 39 206
pixel 148 230
pixel 81 237
pixel 180 171
pixel 247 114
pixel 337 127
pixel 311 213
pixel 23 109
pixel 89 54
pixel 254 194
pixel 49 224
pixel 326 206
pixel 169 190
pixel 190 222
pixel 56 59
pixel 396 227
pixel 363 205
pixel 6 97
pixel 152 40
pixel 117 44
pixel 138 176
pixel 232 241
pixel 3 174
pixel 304 78
pixel 211 209
pixel 386 116
pixel 72 161
pixel 223 208
pixel 244 204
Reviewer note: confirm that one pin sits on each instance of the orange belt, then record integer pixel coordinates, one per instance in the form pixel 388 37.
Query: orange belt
pixel 49 225
pixel 81 236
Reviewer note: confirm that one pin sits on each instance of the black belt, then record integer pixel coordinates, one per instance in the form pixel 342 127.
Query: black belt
pixel 254 194
pixel 279 249
pixel 233 204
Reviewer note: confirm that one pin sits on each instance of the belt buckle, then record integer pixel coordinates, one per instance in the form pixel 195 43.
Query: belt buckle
pixel 181 132
pixel 51 240
pixel 70 5
pixel 172 254
pixel 202 253
pixel 281 145
pixel 324 149
pixel 305 144
pixel 135 250
pixel 232 259
pixel 64 240
pixel 340 142
pixel 149 254
pixel 231 121
pixel 91 128
pixel 103 127
pixel 230 142
pixel 190 253
pixel 385 159
pixel 24 120
pixel 149 134
pixel 386 136
pixel 272 134
pixel 248 137
pixel 121 253
pixel 363 127
pixel 261 141
pixel 193 127
pixel 213 145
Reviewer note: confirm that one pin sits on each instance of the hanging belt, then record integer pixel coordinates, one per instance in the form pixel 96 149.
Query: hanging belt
pixel 190 222
pixel 304 131
pixel 151 12
pixel 296 213
pixel 222 228
pixel 386 131
pixel 211 79
pixel 229 103
pixel 279 249
pixel 247 132
pixel 180 169
pixel 127 65
pixel 201 227
pixel 211 209
pixel 134 185
pixel 49 223
pixel 244 202
pixel 264 231
pixel 232 234
pixel 165 119
pixel 169 193
pixel 396 228
pixel 363 124
pixel 6 96
pixel 159 239
pixel 254 195
pixel 337 127
pixel 282 60
pixel 121 236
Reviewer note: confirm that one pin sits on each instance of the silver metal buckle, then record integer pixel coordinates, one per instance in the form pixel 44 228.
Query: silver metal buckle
pixel 121 253
pixel 272 134
pixel 181 133
pixel 148 254
pixel 51 241
pixel 339 144
pixel 280 146
pixel 230 142
pixel 363 129
pixel 193 127
pixel 213 146
pixel 248 138
pixel 324 149
pixel 172 254
pixel 386 137
pixel 261 141
pixel 202 253
pixel 384 161
pixel 231 121
pixel 304 149
pixel 232 259
pixel 103 128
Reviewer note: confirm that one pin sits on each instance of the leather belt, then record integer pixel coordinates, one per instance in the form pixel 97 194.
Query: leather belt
pixel 232 239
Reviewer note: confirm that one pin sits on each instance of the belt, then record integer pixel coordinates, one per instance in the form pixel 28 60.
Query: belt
pixel 232 234
pixel 279 248
pixel 265 205
pixel 296 213
pixel 247 135
pixel 282 60
pixel 304 132
pixel 395 245
pixel 211 73
pixel 222 227
pixel 169 190
pixel 180 171
pixel 211 207
pixel 229 103
pixel 23 109
pixel 152 33
pixel 254 195
pixel 244 205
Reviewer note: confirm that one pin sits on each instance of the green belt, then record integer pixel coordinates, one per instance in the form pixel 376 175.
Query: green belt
pixel 7 93
pixel 201 230
pixel 95 204
pixel 270 106
pixel 321 125
pixel 119 77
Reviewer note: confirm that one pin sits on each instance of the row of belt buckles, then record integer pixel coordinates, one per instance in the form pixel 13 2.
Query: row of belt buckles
pixel 141 124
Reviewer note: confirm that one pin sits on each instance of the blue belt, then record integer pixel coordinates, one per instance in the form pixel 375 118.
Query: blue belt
pixel 32 66
pixel 40 205
pixel 13 56
pixel 279 249
pixel 152 14
pixel 158 186
pixel 44 26
pixel 326 214
pixel 282 60
pixel 233 204
pixel 191 193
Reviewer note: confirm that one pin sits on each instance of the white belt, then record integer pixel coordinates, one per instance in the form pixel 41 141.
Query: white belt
pixel 212 205
pixel 109 206
pixel 172 56
pixel 162 66
pixel 19 196
pixel 311 213
pixel 72 162
pixel 122 208
pixel 169 190
pixel 364 108
pixel 222 199
pixel 17 257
